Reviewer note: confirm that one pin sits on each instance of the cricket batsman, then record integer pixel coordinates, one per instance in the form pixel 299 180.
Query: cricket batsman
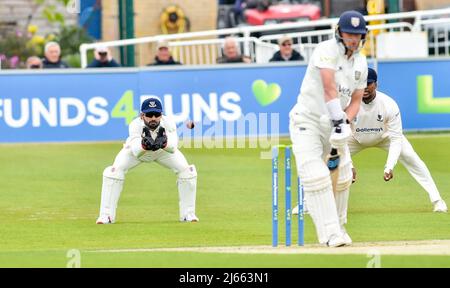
pixel 334 82
pixel 379 124
pixel 152 138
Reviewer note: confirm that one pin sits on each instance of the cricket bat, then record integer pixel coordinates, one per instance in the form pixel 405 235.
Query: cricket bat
pixel 333 159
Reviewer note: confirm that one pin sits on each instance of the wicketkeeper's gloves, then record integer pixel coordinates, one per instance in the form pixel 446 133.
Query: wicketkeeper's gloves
pixel 148 143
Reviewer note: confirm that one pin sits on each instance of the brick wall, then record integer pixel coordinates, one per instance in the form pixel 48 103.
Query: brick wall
pixel 14 15
pixel 201 13
pixel 432 4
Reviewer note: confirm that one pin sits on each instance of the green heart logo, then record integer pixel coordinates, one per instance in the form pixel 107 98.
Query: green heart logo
pixel 266 94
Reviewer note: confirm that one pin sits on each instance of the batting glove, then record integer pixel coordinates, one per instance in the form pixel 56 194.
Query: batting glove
pixel 341 133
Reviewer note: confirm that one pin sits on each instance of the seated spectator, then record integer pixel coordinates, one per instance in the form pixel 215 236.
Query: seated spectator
pixel 286 52
pixel 163 56
pixel 34 62
pixel 231 53
pixel 103 59
pixel 52 58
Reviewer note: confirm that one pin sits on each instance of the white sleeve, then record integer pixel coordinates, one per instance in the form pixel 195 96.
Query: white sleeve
pixel 135 139
pixel 172 136
pixel 395 132
pixel 362 68
pixel 324 57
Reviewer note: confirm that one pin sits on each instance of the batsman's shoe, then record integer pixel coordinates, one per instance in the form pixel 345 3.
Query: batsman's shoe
pixel 440 206
pixel 337 241
pixel 190 218
pixel 104 220
pixel 348 241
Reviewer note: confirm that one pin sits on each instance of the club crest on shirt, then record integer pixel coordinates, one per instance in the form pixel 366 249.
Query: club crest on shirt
pixel 357 75
pixel 380 118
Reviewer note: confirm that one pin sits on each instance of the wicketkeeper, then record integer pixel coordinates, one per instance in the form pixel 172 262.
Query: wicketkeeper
pixel 379 124
pixel 152 138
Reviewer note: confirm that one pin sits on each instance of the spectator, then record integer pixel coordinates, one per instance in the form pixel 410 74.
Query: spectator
pixel 231 53
pixel 52 58
pixel 237 12
pixel 263 5
pixel 286 52
pixel 103 58
pixel 163 56
pixel 34 62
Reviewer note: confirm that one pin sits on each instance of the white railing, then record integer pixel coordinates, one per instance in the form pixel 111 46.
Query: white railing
pixel 419 17
pixel 438 29
pixel 264 51
pixel 206 51
pixel 307 41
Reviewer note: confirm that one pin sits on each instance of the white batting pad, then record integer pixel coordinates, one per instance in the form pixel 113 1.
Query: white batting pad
pixel 322 208
pixel 343 191
pixel 111 189
pixel 187 190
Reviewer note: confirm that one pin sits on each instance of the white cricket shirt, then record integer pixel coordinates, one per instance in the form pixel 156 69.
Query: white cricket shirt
pixel 136 128
pixel 351 75
pixel 378 120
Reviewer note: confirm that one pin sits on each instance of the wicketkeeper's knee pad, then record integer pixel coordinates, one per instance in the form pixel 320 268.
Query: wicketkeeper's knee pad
pixel 114 173
pixel 345 177
pixel 314 175
pixel 187 174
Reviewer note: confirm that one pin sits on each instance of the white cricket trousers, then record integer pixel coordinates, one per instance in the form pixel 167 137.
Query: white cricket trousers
pixel 310 139
pixel 412 162
pixel 114 177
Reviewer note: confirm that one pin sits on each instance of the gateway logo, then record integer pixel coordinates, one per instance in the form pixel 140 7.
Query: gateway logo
pixel 369 130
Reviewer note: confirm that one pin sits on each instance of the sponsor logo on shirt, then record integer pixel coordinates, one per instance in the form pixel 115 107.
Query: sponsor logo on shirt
pixel 326 59
pixel 344 91
pixel 369 130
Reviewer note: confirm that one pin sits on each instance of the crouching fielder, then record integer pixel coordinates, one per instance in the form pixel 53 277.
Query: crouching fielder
pixel 379 125
pixel 335 79
pixel 153 138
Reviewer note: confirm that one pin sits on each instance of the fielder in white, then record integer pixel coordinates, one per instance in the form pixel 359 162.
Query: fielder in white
pixel 335 80
pixel 152 138
pixel 379 124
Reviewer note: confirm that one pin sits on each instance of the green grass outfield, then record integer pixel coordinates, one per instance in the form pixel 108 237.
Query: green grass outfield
pixel 50 196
